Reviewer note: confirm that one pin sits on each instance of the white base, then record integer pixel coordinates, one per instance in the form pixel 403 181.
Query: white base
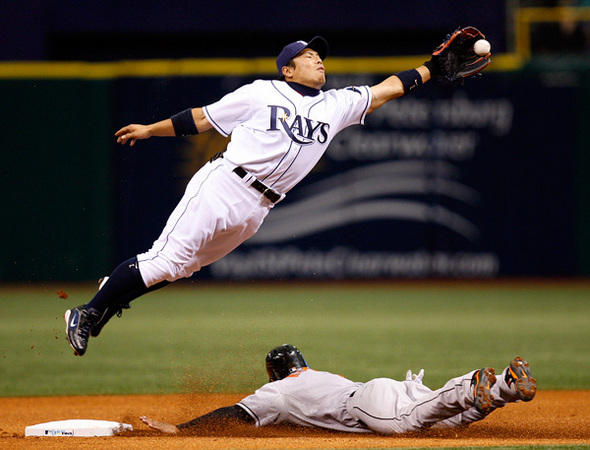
pixel 77 427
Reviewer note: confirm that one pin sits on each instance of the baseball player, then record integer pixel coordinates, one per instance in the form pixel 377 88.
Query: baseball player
pixel 279 130
pixel 299 395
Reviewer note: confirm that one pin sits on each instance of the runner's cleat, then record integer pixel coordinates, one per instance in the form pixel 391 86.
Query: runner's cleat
pixel 482 382
pixel 519 379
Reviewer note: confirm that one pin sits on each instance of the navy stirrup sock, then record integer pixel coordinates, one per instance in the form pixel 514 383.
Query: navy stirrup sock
pixel 140 291
pixel 125 282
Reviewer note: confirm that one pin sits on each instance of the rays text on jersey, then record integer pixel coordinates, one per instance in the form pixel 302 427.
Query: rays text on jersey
pixel 301 130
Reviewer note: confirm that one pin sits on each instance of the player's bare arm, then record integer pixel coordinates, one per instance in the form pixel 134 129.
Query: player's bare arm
pixel 393 87
pixel 134 132
pixel 220 419
pixel 163 427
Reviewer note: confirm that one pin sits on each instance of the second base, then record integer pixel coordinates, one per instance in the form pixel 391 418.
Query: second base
pixel 77 427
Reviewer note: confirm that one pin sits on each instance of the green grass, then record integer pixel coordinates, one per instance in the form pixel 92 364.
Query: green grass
pixel 214 338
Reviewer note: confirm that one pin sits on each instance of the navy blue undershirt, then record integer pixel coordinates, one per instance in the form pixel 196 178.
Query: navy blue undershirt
pixel 304 90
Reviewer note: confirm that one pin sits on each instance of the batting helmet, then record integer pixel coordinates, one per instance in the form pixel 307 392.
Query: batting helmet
pixel 283 360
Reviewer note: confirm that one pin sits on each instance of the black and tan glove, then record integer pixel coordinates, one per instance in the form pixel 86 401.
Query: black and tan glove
pixel 454 59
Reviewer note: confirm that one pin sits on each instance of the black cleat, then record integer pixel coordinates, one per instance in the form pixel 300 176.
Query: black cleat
pixel 109 312
pixel 79 322
pixel 106 316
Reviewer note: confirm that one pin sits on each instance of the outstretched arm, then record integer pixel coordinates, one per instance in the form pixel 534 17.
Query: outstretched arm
pixel 453 60
pixel 398 85
pixel 168 127
pixel 215 420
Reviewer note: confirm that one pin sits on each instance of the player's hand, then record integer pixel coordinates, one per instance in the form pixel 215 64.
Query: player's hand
pixel 163 427
pixel 417 378
pixel 132 133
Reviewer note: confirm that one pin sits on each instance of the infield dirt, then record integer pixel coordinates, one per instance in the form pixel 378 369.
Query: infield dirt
pixel 552 418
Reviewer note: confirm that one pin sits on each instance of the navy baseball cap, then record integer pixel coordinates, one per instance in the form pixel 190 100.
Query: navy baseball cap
pixel 291 50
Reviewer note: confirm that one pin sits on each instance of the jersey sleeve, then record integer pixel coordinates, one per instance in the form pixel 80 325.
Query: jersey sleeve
pixel 265 405
pixel 356 101
pixel 228 112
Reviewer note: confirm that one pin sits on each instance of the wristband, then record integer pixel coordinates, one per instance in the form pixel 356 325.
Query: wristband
pixel 433 67
pixel 184 123
pixel 411 79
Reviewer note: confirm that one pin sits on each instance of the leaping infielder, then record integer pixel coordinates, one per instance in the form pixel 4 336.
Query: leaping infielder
pixel 279 130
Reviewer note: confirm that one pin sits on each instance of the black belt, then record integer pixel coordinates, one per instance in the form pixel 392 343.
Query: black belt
pixel 260 187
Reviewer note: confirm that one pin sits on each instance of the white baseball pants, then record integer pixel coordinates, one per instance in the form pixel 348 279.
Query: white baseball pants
pixel 218 211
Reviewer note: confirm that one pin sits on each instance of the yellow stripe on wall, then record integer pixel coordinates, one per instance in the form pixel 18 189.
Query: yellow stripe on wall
pixel 217 67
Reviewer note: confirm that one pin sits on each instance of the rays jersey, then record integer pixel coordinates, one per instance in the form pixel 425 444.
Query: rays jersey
pixel 309 398
pixel 280 130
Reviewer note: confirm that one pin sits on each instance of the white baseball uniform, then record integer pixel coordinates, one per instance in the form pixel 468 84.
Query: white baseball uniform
pixel 279 131
pixel 322 399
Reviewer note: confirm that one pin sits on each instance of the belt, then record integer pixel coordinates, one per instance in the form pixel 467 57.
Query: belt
pixel 259 186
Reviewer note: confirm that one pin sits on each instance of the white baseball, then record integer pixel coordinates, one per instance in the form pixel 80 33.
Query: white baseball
pixel 482 47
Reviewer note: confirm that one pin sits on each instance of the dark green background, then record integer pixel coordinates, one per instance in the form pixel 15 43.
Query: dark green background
pixel 56 197
pixel 62 182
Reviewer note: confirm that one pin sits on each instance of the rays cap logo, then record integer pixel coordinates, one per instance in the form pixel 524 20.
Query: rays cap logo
pixel 291 50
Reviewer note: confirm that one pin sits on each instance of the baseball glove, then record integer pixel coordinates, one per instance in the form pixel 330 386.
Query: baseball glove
pixel 454 59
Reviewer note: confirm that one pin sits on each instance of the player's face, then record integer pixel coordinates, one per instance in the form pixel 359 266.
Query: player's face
pixel 309 69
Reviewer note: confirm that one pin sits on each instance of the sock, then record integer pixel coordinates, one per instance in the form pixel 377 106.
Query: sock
pixel 140 291
pixel 124 284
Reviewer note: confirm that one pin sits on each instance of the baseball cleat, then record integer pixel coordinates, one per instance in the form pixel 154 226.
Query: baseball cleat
pixel 106 316
pixel 102 282
pixel 482 382
pixel 108 313
pixel 79 322
pixel 519 379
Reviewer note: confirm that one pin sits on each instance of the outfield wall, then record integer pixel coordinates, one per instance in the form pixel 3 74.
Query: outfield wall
pixel 480 181
pixel 56 179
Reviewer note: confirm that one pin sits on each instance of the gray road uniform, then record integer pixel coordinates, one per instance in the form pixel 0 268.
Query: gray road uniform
pixel 322 399
pixel 299 395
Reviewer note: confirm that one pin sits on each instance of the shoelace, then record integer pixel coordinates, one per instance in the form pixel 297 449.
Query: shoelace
pixel 87 322
pixel 121 308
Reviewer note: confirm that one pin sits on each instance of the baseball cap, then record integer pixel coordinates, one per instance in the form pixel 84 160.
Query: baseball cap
pixel 291 50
